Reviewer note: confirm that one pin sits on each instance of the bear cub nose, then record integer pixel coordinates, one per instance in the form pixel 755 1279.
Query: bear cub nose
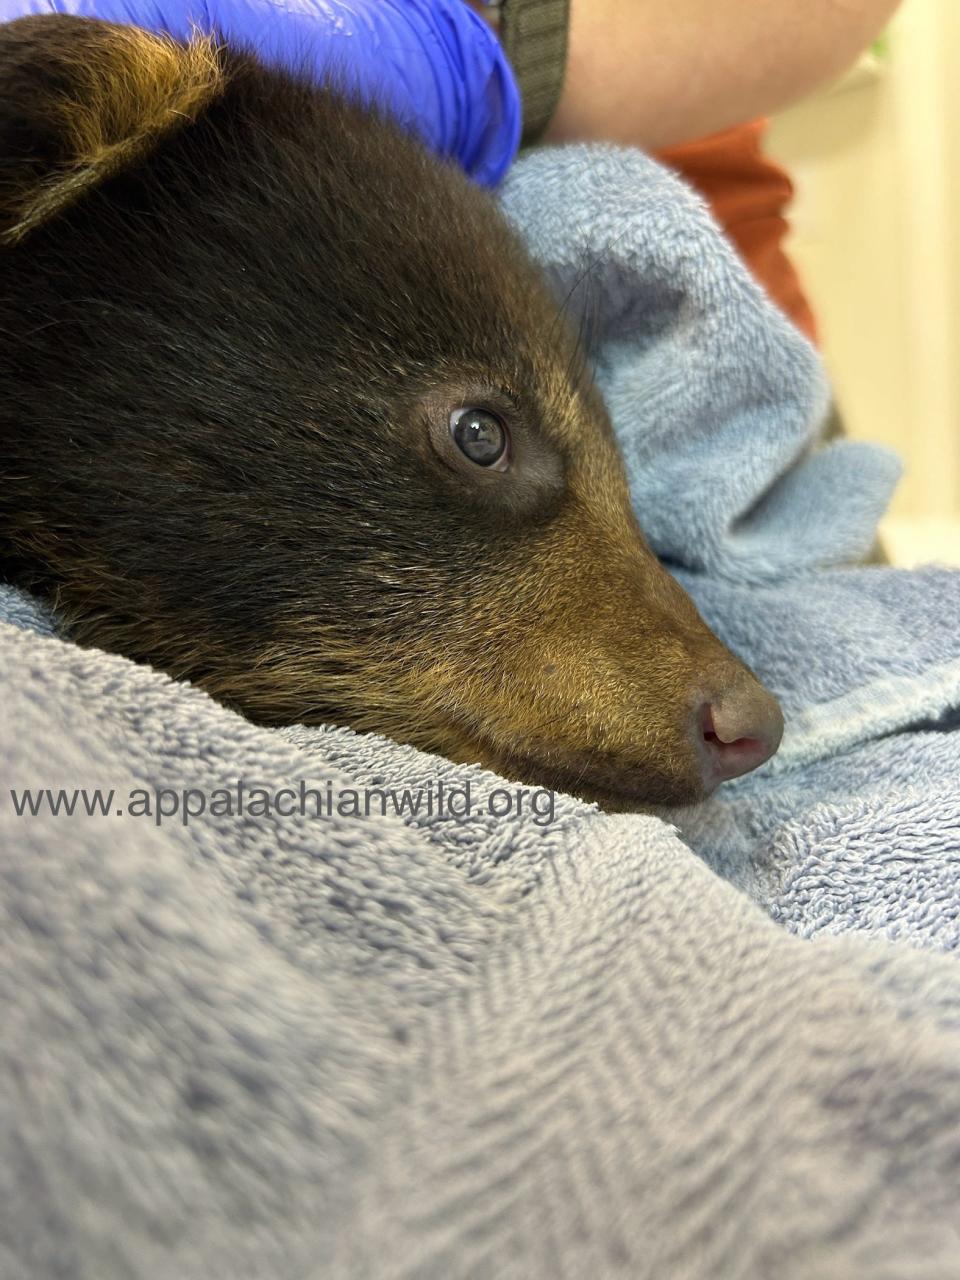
pixel 737 729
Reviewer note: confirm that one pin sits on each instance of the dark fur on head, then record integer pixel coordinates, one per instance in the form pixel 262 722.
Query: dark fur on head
pixel 237 314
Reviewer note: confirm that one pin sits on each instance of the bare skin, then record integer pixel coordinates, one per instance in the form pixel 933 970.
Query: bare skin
pixel 654 73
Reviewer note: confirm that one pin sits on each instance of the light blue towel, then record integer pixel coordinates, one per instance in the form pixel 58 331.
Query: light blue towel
pixel 261 1045
pixel 855 824
pixel 717 399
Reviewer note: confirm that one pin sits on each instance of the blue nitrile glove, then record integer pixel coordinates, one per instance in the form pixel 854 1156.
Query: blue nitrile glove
pixel 434 64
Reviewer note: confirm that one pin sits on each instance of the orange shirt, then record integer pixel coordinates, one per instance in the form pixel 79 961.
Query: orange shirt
pixel 748 195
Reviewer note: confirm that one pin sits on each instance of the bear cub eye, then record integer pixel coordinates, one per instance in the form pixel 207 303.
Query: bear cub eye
pixel 482 437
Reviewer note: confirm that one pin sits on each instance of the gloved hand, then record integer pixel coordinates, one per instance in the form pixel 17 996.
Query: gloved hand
pixel 434 64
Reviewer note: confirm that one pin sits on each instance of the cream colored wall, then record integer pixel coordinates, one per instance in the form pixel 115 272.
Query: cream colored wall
pixel 876 235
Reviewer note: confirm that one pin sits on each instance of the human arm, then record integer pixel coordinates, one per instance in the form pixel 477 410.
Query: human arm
pixel 657 72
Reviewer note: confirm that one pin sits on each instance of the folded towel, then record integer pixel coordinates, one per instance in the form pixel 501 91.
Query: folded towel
pixel 716 398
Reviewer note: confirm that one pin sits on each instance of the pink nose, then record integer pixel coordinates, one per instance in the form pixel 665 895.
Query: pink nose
pixel 738 730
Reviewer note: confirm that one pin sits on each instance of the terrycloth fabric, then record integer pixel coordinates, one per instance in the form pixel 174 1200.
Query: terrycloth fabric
pixel 854 826
pixel 252 1046
pixel 716 397
pixel 273 1047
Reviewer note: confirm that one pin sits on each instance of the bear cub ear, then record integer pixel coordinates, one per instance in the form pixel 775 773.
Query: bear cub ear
pixel 80 99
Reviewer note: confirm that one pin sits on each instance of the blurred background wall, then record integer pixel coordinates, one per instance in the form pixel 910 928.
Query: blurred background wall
pixel 876 236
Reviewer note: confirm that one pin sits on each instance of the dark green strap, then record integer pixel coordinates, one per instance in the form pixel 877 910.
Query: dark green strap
pixel 534 37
